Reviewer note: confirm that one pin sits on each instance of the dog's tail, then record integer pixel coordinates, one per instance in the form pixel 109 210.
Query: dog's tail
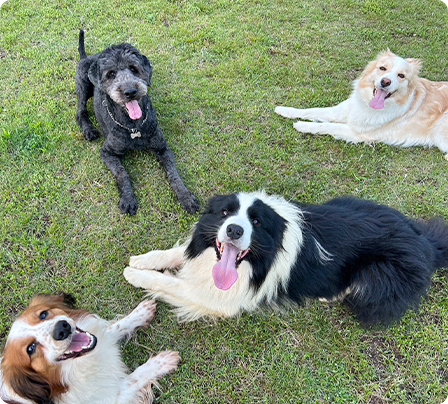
pixel 81 48
pixel 436 232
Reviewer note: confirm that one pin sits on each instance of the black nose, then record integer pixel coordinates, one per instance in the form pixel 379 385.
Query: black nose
pixel 385 82
pixel 130 92
pixel 234 232
pixel 62 330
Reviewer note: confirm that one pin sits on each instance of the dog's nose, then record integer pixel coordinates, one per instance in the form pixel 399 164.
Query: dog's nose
pixel 234 232
pixel 130 92
pixel 386 82
pixel 62 330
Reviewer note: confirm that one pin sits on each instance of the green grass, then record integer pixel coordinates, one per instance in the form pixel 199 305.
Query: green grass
pixel 220 68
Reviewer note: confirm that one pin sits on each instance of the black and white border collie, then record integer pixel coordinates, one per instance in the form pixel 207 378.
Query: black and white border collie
pixel 250 249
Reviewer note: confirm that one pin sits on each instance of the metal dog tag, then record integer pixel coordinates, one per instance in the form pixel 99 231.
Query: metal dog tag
pixel 135 134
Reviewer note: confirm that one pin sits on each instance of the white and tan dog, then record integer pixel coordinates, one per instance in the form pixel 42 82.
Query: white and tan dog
pixel 55 354
pixel 389 103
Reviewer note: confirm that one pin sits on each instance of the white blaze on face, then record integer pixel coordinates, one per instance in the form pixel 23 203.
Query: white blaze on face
pixel 225 271
pixel 241 219
pixel 395 66
pixel 43 334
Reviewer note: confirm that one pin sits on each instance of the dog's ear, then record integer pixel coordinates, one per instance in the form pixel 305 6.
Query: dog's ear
pixel 68 300
pixel 147 68
pixel 30 385
pixel 417 64
pixel 94 74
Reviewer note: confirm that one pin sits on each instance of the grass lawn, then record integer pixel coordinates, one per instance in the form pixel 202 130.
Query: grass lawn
pixel 220 68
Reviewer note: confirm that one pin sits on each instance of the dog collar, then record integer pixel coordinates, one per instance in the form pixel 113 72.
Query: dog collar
pixel 133 131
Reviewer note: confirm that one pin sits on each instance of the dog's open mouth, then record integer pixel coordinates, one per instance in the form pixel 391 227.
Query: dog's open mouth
pixel 134 110
pixel 82 342
pixel 229 257
pixel 379 96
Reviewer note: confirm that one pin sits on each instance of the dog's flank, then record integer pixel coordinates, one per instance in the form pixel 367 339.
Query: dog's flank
pixel 248 250
pixel 117 79
pixel 56 354
pixel 389 103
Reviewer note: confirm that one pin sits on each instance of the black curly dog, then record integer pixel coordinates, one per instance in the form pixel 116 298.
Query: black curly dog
pixel 117 78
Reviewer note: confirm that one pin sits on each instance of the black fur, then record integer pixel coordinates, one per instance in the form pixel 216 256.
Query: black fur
pixel 114 77
pixel 385 258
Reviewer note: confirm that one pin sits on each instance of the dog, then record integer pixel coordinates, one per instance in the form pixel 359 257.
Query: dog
pixel 389 103
pixel 118 78
pixel 56 354
pixel 251 249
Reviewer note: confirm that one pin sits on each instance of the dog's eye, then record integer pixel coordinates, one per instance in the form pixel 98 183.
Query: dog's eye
pixel 401 75
pixel 383 68
pixel 133 69
pixel 30 349
pixel 111 74
pixel 43 315
pixel 256 222
pixel 224 213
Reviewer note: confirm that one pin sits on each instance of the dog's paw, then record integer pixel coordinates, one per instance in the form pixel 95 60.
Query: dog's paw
pixel 91 134
pixel 145 312
pixel 142 261
pixel 306 127
pixel 133 276
pixel 165 362
pixel 128 205
pixel 189 202
pixel 287 112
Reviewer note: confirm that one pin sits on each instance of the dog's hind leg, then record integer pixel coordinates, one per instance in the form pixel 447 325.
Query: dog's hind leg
pixel 128 202
pixel 338 113
pixel 158 260
pixel 136 388
pixel 165 157
pixel 139 317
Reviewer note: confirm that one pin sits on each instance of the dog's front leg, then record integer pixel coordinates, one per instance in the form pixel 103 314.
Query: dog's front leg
pixel 165 157
pixel 139 317
pixel 167 287
pixel 136 388
pixel 338 113
pixel 84 91
pixel 337 130
pixel 128 202
pixel 158 260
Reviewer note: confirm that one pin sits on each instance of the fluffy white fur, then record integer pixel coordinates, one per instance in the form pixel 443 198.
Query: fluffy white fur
pixel 99 376
pixel 192 289
pixel 415 112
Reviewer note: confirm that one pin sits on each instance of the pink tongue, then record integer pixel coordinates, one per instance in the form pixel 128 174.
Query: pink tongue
pixel 134 110
pixel 224 272
pixel 79 342
pixel 378 100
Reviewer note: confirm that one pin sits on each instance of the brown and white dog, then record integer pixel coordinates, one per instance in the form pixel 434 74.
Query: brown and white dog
pixel 390 103
pixel 57 354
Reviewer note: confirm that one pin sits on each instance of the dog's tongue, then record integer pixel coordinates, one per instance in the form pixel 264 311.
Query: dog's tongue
pixel 80 340
pixel 224 272
pixel 134 110
pixel 378 101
